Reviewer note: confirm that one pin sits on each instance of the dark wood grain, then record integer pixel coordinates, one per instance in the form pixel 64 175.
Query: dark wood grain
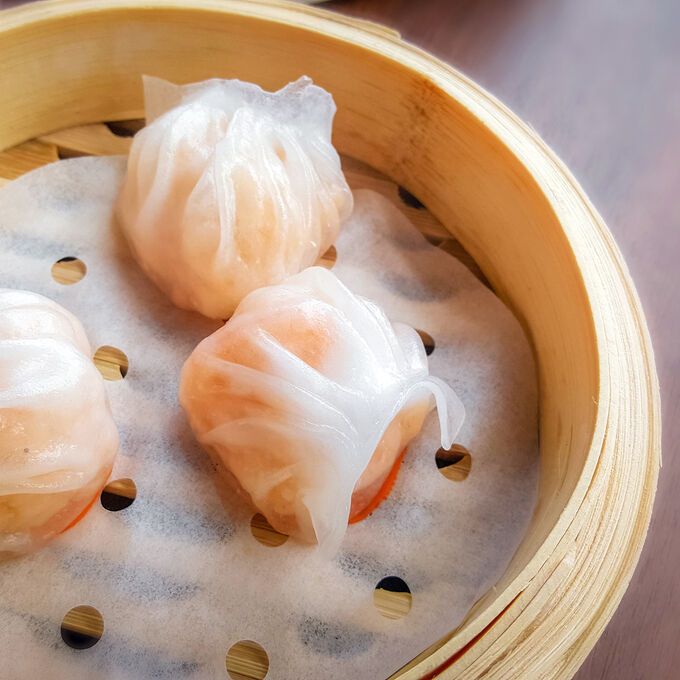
pixel 600 81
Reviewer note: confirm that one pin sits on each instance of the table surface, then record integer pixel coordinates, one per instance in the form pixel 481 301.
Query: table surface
pixel 600 81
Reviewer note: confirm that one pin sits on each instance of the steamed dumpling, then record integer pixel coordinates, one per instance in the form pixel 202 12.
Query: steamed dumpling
pixel 230 188
pixel 309 395
pixel 57 437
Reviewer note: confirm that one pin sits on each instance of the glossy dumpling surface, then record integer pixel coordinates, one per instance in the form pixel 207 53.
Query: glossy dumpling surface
pixel 309 395
pixel 57 436
pixel 230 188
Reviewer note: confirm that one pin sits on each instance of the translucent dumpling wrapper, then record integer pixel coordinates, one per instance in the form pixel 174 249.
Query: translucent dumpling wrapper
pixel 230 188
pixel 309 396
pixel 57 437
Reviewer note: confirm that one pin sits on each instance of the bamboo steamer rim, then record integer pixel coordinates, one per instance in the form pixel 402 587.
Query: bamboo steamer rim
pixel 509 630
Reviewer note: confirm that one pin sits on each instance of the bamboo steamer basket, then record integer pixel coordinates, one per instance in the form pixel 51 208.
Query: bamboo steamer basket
pixel 499 190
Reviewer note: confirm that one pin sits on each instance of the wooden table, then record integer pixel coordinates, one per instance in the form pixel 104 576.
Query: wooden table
pixel 600 81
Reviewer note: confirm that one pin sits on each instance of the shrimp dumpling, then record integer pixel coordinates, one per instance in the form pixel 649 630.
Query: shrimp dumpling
pixel 309 396
pixel 57 436
pixel 230 188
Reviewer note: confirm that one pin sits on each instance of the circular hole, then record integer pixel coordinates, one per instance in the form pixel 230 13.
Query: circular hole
pixel 428 342
pixel 434 239
pixel 68 270
pixel 329 258
pixel 82 627
pixel 392 597
pixel 119 494
pixel 454 463
pixel 125 128
pixel 112 363
pixel 265 533
pixel 408 198
pixel 246 660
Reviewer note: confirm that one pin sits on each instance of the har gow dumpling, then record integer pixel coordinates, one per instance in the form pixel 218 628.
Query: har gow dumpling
pixel 309 396
pixel 57 437
pixel 230 188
